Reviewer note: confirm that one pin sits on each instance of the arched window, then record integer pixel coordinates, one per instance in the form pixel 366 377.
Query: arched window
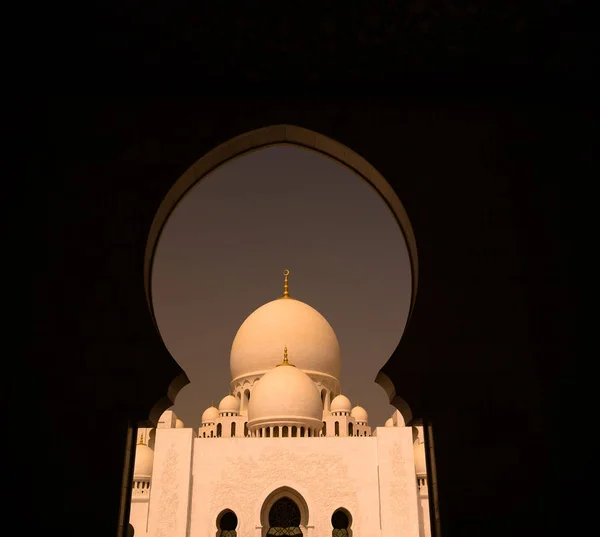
pixel 204 434
pixel 337 428
pixel 301 431
pixel 294 431
pixel 276 431
pixel 267 432
pixel 233 429
pixel 211 434
pixel 260 433
pixel 219 430
pixel 245 428
pixel 284 431
pixel 324 429
pixel 284 518
pixel 350 430
pixel 227 523
pixel 323 397
pixel 341 523
pixel 308 432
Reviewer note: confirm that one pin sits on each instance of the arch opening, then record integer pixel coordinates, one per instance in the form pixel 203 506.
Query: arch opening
pixel 341 522
pixel 246 143
pixel 227 522
pixel 275 137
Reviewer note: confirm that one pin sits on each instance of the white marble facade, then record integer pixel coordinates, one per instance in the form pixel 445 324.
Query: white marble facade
pixel 285 453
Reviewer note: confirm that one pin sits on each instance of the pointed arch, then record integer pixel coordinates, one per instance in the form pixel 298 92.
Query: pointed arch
pixel 248 142
pixel 341 521
pixel 277 495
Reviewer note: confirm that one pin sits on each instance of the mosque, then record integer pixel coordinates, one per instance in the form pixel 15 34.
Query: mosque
pixel 285 453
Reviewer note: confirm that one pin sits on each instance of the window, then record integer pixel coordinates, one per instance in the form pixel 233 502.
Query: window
pixel 284 518
pixel 245 428
pixel 324 429
pixel 340 522
pixel 227 522
pixel 233 429
pixel 219 430
pixel 337 428
pixel 276 431
pixel 294 431
pixel 284 431
pixel 350 430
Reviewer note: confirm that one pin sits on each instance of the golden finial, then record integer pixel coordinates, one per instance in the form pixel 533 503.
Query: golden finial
pixel 285 358
pixel 141 442
pixel 286 292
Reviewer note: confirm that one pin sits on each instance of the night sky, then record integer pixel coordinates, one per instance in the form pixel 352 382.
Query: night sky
pixel 223 251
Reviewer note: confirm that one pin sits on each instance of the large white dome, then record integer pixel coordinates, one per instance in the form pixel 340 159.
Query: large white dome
pixel 285 321
pixel 285 395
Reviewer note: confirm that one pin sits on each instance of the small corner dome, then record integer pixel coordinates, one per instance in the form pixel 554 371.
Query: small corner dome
pixel 419 452
pixel 389 422
pixel 285 395
pixel 210 414
pixel 340 404
pixel 144 460
pixel 229 403
pixel 359 414
pixel 179 424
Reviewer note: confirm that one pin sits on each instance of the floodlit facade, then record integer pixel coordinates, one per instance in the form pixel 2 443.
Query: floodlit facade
pixel 284 453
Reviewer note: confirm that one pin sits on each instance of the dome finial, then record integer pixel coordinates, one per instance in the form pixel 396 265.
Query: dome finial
pixel 141 442
pixel 285 358
pixel 286 292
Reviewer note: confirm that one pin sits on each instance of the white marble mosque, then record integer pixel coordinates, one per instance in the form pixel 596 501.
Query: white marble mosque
pixel 285 453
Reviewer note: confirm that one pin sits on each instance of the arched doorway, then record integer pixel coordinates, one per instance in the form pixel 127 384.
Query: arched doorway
pixel 284 518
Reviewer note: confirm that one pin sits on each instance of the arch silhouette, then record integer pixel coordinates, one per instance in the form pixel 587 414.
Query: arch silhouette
pixel 258 139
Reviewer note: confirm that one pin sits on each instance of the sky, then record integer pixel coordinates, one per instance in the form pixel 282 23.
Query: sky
pixel 223 251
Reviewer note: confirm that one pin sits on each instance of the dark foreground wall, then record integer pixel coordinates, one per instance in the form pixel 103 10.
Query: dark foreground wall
pixel 488 353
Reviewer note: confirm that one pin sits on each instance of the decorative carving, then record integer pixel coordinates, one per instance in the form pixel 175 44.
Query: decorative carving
pixel 169 497
pixel 306 471
pixel 403 472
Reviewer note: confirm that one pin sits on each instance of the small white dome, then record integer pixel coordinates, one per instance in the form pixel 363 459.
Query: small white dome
pixel 144 460
pixel 210 414
pixel 419 451
pixel 229 403
pixel 389 422
pixel 179 424
pixel 257 345
pixel 285 395
pixel 340 404
pixel 359 414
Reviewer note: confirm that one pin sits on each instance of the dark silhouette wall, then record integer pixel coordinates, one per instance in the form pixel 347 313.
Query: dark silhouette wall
pixel 487 348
